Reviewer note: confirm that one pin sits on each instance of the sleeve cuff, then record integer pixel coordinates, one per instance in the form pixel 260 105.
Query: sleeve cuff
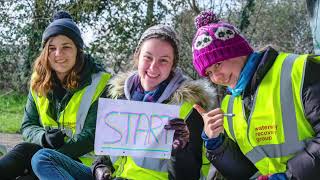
pixel 212 143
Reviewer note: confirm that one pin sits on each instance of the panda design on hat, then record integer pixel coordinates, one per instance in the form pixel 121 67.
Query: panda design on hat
pixel 216 41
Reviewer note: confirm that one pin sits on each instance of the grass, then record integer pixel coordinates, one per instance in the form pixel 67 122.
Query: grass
pixel 11 111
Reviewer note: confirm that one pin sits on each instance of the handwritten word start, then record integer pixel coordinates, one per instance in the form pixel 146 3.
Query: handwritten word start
pixel 136 128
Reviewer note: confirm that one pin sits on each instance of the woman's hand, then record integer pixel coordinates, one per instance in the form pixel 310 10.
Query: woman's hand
pixel 181 134
pixel 53 138
pixel 213 121
pixel 102 172
pixel 102 168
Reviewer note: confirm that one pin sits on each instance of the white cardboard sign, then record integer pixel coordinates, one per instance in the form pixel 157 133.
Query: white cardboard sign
pixel 134 128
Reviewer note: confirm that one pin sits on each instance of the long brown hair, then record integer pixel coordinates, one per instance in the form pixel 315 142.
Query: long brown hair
pixel 42 76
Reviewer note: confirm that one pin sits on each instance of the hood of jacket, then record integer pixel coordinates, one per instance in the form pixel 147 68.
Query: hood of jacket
pixel 180 89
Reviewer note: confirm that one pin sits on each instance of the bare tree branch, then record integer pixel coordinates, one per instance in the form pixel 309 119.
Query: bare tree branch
pixel 193 6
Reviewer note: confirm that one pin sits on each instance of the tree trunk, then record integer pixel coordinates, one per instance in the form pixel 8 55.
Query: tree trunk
pixel 314 18
pixel 150 14
pixel 34 38
pixel 245 15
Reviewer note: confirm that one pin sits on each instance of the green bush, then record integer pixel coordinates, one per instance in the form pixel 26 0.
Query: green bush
pixel 11 111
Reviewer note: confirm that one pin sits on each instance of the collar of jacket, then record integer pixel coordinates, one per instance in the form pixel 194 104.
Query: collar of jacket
pixel 268 58
pixel 195 91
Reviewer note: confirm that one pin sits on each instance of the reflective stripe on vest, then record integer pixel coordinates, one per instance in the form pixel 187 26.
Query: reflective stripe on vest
pixel 126 167
pixel 73 117
pixel 77 108
pixel 87 97
pixel 272 156
pixel 131 167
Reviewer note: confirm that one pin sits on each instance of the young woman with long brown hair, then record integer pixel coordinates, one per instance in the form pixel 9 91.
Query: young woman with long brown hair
pixel 61 108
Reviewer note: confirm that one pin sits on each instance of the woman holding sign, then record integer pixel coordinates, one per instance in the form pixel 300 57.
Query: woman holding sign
pixel 159 80
pixel 61 109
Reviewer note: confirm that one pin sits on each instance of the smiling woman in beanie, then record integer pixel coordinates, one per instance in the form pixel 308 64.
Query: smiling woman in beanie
pixel 158 79
pixel 268 126
pixel 60 114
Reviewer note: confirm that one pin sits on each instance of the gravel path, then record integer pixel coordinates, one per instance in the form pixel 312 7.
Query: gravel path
pixel 10 140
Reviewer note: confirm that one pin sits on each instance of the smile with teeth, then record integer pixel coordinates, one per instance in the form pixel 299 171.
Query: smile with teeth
pixel 150 75
pixel 60 61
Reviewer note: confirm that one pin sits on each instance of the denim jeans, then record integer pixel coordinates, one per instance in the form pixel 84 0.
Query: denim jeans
pixel 50 164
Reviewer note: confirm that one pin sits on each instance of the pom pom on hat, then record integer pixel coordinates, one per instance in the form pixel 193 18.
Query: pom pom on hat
pixel 63 24
pixel 216 41
pixel 205 18
pixel 61 15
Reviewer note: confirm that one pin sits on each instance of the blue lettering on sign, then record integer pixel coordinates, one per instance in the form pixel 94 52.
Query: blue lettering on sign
pixel 138 126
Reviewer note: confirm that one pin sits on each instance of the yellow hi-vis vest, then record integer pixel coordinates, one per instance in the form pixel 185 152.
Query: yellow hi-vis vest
pixel 126 167
pixel 276 128
pixel 72 118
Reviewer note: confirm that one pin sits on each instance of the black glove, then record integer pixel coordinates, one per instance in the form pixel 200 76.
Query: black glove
pixel 102 172
pixel 181 135
pixel 53 139
pixel 102 168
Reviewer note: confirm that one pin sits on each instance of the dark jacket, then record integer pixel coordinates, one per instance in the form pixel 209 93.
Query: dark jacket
pixel 228 158
pixel 33 131
pixel 186 164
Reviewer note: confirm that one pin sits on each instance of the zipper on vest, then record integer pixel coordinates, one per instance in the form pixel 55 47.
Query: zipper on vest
pixel 61 111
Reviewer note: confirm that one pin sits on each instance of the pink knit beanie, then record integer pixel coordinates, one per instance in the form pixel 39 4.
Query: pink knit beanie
pixel 216 41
